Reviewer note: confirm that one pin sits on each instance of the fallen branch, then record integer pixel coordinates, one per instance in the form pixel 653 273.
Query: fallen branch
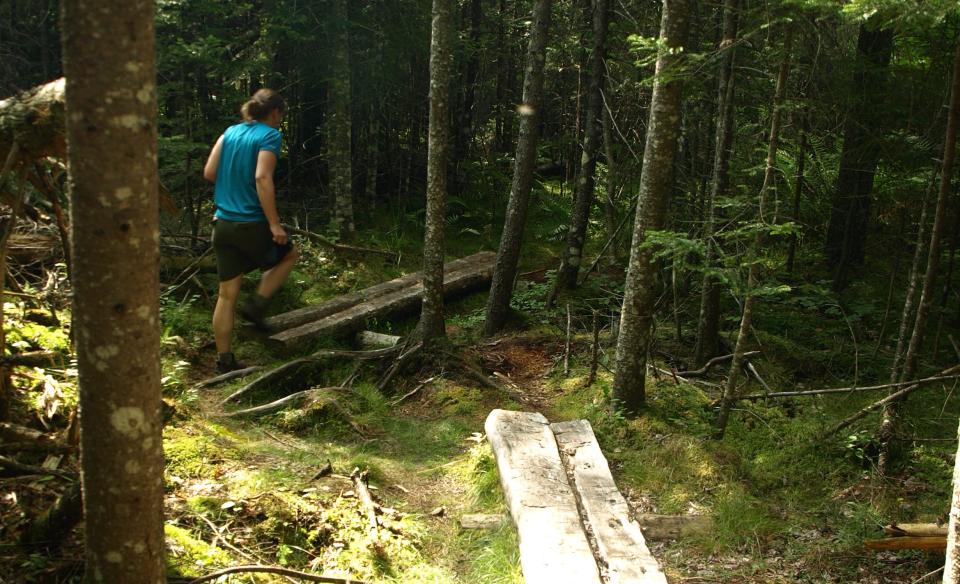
pixel 879 404
pixel 55 524
pixel 398 365
pixel 48 446
pixel 275 570
pixel 849 389
pixel 280 403
pixel 229 376
pixel 714 362
pixel 29 469
pixel 274 374
pixel 915 529
pixel 339 247
pixel 32 359
pixel 419 386
pixel 363 493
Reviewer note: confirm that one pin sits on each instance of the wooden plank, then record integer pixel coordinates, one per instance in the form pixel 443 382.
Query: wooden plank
pixel 553 546
pixel 315 312
pixel 405 300
pixel 618 538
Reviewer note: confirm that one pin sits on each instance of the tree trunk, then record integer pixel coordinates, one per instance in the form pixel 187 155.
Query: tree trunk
pixel 753 280
pixel 339 122
pixel 609 206
pixel 951 571
pixel 797 193
pixel 656 182
pixel 708 325
pixel 431 315
pixel 109 51
pixel 501 289
pixel 927 293
pixel 847 230
pixel 583 199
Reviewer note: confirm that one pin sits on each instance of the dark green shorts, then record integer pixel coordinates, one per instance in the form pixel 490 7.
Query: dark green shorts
pixel 244 247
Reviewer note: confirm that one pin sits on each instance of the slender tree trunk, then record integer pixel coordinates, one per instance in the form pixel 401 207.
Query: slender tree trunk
pixel 708 324
pixel 753 280
pixel 339 122
pixel 913 279
pixel 465 113
pixel 797 194
pixel 847 230
pixel 6 384
pixel 504 273
pixel 927 293
pixel 656 183
pixel 431 316
pixel 108 50
pixel 609 206
pixel 583 199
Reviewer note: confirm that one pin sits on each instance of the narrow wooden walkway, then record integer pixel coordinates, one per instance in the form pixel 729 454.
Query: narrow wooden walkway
pixel 348 314
pixel 573 523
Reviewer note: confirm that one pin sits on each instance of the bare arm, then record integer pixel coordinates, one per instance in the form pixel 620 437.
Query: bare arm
pixel 213 161
pixel 266 162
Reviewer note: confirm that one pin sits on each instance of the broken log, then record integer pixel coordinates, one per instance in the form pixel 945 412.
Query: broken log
pixel 916 529
pixel 36 119
pixel 398 302
pixel 618 538
pixel 366 499
pixel 553 546
pixel 932 543
pixel 308 314
pixel 481 521
pixel 372 340
pixel 662 527
pixel 31 359
pixel 55 524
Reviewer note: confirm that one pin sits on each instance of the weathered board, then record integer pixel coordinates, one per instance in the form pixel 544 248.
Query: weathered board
pixel 405 300
pixel 617 536
pixel 553 546
pixel 307 314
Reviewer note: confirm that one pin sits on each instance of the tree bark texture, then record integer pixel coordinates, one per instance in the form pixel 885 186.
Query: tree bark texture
pixel 656 183
pixel 438 144
pixel 592 135
pixel 927 293
pixel 340 121
pixel 708 324
pixel 501 289
pixel 847 230
pixel 753 279
pixel 108 57
pixel 951 571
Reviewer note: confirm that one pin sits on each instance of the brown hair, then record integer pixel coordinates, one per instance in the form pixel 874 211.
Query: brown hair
pixel 261 104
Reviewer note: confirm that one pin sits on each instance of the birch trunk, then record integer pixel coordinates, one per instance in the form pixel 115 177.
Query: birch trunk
pixel 108 57
pixel 339 123
pixel 636 320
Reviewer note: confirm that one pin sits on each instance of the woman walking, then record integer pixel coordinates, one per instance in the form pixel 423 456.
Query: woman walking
pixel 247 233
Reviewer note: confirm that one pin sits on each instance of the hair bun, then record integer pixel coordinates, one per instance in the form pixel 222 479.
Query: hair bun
pixel 261 103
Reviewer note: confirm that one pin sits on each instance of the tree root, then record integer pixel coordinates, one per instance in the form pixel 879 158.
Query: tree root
pixel 275 570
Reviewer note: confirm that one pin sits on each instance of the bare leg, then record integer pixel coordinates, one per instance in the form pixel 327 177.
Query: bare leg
pixel 223 313
pixel 273 278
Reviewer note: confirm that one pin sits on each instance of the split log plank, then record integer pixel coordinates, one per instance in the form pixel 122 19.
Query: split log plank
pixel 407 299
pixel 307 314
pixel 553 546
pixel 618 538
pixel 925 542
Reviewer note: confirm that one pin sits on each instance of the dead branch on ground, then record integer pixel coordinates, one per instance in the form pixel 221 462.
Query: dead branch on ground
pixel 275 570
pixel 340 247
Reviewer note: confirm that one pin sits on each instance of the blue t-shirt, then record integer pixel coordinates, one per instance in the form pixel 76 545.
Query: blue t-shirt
pixel 235 192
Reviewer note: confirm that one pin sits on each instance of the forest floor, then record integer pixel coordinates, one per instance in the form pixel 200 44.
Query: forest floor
pixel 784 506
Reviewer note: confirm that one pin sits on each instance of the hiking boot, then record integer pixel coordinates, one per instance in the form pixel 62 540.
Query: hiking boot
pixel 253 311
pixel 227 362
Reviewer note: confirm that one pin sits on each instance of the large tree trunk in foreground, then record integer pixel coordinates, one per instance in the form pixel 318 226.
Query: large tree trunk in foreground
pixel 847 231
pixel 583 199
pixel 927 293
pixel 501 289
pixel 431 314
pixel 708 325
pixel 340 121
pixel 951 572
pixel 656 182
pixel 753 280
pixel 108 50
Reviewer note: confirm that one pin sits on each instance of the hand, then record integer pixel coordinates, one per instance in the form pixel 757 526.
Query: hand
pixel 279 234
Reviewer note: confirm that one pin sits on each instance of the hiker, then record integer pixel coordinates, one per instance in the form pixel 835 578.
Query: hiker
pixel 247 232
